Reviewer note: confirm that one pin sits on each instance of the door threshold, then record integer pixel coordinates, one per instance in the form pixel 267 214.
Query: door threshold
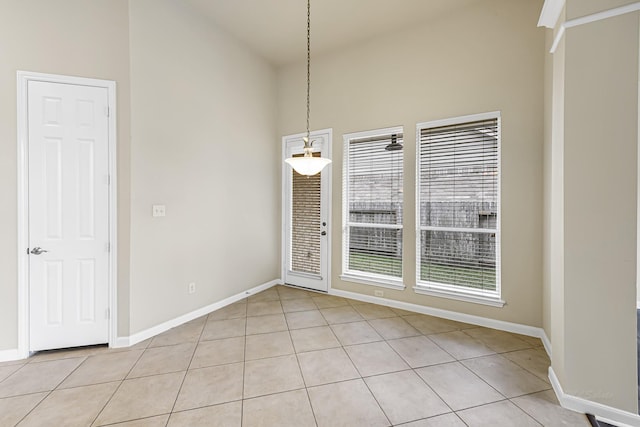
pixel 305 289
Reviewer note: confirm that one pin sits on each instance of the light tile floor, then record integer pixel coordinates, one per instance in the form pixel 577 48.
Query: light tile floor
pixel 289 357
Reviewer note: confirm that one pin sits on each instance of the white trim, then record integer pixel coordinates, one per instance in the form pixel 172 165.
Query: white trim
pixel 113 213
pixel 602 412
pixel 459 295
pixel 122 342
pixel 460 119
pixel 550 14
pixel 370 279
pixel 557 39
pixel 23 227
pixel 328 173
pixel 501 325
pixel 283 213
pixel 22 80
pixel 10 355
pixel 599 16
pixel 371 133
pixel 546 342
pixel 329 206
pixel 489 298
pixel 165 326
pixel 456 229
pixel 638 197
pixel 372 225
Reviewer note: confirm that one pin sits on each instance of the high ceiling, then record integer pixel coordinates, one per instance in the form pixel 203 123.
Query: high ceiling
pixel 276 29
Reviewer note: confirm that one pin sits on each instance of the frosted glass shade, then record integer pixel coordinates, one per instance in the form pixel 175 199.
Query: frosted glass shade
pixel 308 165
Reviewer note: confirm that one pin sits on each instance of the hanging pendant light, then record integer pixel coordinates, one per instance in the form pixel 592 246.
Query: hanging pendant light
pixel 308 164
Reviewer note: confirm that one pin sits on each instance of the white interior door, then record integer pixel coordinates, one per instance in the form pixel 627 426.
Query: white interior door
pixel 306 211
pixel 68 215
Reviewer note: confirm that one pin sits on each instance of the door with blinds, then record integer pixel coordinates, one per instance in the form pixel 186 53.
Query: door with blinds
pixel 306 215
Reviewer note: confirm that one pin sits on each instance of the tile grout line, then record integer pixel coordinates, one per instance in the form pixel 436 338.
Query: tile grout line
pixel 135 419
pixel 304 382
pixel 524 367
pixel 412 369
pixel 49 392
pixel 33 409
pixel 523 409
pixel 244 361
pixel 530 346
pixel 506 398
pixel 365 383
pixel 341 346
pixel 184 377
pixel 14 372
pixel 119 386
pixel 497 354
pixel 456 361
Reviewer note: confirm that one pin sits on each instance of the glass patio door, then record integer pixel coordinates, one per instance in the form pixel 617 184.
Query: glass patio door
pixel 306 216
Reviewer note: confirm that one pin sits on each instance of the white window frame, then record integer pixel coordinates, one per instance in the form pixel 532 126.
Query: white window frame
pixel 492 298
pixel 372 279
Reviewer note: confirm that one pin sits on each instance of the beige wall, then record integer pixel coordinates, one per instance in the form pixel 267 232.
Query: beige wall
pixel 70 37
pixel 600 187
pixel 592 206
pixel 203 132
pixel 482 58
pixel 203 104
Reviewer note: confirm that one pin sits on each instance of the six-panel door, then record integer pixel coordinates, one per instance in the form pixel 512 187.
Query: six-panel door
pixel 68 215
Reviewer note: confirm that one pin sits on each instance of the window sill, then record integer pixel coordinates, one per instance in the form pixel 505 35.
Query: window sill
pixel 460 296
pixel 374 281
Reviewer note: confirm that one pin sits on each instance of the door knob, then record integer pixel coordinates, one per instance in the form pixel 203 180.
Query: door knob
pixel 324 233
pixel 38 250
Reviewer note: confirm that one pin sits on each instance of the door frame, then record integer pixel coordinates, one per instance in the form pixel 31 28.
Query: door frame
pixel 284 191
pixel 23 79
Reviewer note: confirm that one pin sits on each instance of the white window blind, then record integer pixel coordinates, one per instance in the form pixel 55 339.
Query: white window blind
pixel 459 205
pixel 372 206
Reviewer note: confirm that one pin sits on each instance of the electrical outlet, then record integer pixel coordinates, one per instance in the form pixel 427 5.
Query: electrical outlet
pixel 192 288
pixel 378 293
pixel 158 210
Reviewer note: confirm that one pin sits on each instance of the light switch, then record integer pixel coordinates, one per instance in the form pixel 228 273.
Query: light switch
pixel 159 210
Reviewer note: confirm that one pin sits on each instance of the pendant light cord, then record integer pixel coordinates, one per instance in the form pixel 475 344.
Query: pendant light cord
pixel 308 69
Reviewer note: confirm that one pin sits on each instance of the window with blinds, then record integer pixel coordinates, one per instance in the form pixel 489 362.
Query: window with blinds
pixel 372 207
pixel 458 206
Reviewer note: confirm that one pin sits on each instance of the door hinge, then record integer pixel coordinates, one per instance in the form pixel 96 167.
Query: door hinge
pixel 107 314
pixel 107 112
pixel 108 247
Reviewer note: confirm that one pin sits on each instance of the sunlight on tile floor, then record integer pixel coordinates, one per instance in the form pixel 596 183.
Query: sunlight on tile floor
pixel 289 357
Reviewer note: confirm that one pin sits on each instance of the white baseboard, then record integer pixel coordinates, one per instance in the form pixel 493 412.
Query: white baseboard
pixel 165 326
pixel 601 412
pixel 451 315
pixel 121 342
pixel 10 355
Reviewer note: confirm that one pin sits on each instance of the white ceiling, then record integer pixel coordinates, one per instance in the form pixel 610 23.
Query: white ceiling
pixel 276 29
